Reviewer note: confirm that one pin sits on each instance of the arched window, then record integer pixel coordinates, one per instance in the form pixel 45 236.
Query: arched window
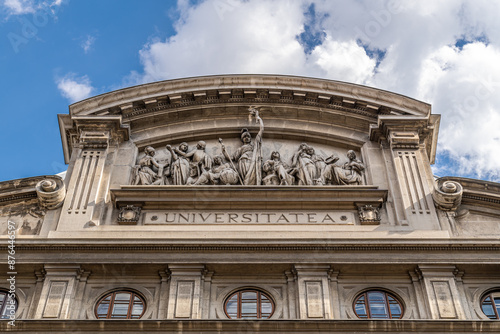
pixel 490 304
pixel 249 304
pixel 8 306
pixel 376 304
pixel 120 305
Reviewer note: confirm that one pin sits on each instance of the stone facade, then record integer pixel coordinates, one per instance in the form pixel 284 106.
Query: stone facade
pixel 312 193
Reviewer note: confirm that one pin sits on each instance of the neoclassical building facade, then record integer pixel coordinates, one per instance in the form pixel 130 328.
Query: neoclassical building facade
pixel 249 203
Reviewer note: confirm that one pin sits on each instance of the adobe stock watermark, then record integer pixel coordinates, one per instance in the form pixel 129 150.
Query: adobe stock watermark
pixel 485 89
pixel 29 26
pixel 222 7
pixel 380 19
pixel 10 301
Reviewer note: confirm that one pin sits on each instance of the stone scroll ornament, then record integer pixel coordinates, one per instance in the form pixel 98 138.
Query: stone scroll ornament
pixel 246 165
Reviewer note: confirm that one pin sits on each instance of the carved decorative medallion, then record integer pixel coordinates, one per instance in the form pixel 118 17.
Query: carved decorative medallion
pixel 129 215
pixel 369 215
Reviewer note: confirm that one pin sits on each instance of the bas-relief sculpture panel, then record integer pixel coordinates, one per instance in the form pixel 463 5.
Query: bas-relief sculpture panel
pixel 251 160
pixel 28 217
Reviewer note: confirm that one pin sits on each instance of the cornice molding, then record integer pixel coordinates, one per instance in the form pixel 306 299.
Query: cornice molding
pixel 255 326
pixel 250 86
pixel 152 246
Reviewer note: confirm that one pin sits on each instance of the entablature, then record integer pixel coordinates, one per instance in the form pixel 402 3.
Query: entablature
pixel 249 197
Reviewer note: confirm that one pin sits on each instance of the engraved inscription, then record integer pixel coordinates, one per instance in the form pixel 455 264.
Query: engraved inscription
pixel 242 217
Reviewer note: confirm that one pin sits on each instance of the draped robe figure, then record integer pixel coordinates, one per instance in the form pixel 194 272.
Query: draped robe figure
pixel 248 157
pixel 304 167
pixel 180 164
pixel 349 174
pixel 148 171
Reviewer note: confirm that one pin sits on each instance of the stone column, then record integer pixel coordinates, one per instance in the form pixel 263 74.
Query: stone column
pixel 440 288
pixel 94 141
pixel 186 289
pixel 76 312
pixel 206 293
pixel 411 143
pixel 163 295
pixel 333 277
pixel 58 292
pixel 40 277
pixel 313 291
pixel 291 287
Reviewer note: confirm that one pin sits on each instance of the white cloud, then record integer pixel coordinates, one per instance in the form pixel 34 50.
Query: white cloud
pixel 345 60
pixel 21 7
pixel 87 43
pixel 405 46
pixel 75 88
pixel 17 7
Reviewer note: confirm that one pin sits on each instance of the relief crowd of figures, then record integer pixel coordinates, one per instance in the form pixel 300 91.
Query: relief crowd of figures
pixel 246 165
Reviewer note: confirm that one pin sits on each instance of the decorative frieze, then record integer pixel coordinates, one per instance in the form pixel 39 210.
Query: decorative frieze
pixel 246 165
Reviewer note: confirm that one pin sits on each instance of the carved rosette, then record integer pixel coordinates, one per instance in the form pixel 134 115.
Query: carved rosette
pixel 447 195
pixel 129 215
pixel 51 193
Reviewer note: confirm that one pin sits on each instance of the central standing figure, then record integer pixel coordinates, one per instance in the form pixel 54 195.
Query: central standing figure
pixel 249 155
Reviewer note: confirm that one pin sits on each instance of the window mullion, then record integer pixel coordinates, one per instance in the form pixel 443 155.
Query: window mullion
pixel 111 304
pixel 493 304
pixel 367 305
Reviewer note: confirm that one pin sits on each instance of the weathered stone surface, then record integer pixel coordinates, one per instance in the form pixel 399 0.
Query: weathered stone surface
pixel 309 191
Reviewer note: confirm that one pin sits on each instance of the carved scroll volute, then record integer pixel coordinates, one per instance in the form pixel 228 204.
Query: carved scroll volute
pixel 51 192
pixel 447 195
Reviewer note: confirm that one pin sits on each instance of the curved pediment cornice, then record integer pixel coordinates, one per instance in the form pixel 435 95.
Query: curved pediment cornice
pixel 152 97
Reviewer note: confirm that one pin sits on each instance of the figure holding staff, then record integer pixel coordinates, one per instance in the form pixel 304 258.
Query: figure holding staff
pixel 248 156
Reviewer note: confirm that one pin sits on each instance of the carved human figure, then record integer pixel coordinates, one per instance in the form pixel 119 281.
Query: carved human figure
pixel 193 174
pixel 319 163
pixel 221 173
pixel 276 172
pixel 248 156
pixel 149 171
pixel 349 174
pixel 199 157
pixel 304 167
pixel 180 164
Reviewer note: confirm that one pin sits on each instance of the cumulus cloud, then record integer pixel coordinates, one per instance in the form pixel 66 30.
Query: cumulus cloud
pixel 17 7
pixel 442 52
pixel 20 7
pixel 75 88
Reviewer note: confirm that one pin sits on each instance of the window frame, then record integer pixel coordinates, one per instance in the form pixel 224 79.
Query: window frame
pixel 6 293
pixel 386 302
pixel 490 295
pixel 109 313
pixel 259 303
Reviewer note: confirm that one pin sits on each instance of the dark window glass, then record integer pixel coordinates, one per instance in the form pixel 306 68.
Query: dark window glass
pixel 120 305
pixel 249 304
pixel 7 305
pixel 377 305
pixel 491 305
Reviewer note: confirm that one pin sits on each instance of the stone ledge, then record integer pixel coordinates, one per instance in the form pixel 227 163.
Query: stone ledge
pixel 249 197
pixel 252 326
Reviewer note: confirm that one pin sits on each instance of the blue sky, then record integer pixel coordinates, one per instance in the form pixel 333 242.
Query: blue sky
pixel 55 52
